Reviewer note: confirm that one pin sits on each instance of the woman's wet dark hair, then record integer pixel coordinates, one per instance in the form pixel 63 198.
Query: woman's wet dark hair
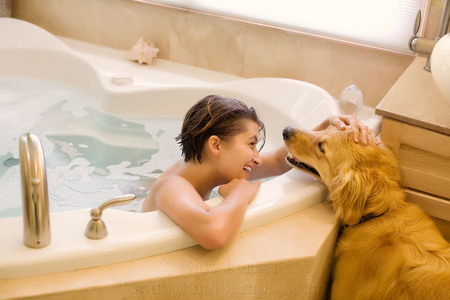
pixel 214 115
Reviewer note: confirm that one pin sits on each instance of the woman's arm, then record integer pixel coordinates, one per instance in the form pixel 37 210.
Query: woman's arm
pixel 211 227
pixel 274 163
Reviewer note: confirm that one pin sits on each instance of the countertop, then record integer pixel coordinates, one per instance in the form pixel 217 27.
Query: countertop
pixel 415 99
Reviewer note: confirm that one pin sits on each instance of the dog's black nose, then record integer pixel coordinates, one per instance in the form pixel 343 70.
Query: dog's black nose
pixel 287 132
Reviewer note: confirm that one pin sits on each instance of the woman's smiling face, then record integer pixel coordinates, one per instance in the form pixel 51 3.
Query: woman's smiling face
pixel 239 153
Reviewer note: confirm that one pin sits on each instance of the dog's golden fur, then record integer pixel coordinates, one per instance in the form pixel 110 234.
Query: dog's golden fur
pixel 388 248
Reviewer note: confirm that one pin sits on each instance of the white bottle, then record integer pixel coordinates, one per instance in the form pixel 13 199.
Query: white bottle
pixel 351 100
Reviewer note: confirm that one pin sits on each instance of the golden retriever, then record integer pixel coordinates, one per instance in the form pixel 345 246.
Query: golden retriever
pixel 388 248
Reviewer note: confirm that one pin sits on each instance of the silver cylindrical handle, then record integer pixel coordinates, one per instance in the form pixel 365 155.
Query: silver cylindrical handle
pixel 96 228
pixel 445 19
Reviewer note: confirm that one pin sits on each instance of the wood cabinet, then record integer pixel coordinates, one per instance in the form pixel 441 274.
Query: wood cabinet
pixel 424 162
pixel 416 126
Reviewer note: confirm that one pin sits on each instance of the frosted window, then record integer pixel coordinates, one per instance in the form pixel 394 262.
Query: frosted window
pixel 380 23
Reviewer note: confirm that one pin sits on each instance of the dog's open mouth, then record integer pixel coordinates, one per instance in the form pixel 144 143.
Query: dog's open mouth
pixel 301 165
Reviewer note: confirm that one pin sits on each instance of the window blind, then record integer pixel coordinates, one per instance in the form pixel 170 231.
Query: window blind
pixel 385 24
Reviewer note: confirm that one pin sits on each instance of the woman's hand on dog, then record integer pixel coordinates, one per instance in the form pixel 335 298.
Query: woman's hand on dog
pixel 359 129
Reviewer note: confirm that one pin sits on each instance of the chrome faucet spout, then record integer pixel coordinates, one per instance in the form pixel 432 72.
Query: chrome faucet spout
pixel 425 45
pixel 36 216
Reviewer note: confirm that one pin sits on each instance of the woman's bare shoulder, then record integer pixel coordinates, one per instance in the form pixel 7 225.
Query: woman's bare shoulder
pixel 165 188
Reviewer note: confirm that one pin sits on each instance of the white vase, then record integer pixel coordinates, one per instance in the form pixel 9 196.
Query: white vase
pixel 440 66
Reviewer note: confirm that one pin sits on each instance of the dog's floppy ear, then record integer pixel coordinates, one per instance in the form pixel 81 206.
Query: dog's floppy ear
pixel 350 194
pixel 367 183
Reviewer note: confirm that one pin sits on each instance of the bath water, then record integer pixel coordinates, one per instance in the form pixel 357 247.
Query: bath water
pixel 90 156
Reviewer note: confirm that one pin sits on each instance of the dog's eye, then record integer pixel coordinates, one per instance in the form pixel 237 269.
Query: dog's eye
pixel 320 145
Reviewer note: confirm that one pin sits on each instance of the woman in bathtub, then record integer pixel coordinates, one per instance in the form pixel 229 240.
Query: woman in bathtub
pixel 219 141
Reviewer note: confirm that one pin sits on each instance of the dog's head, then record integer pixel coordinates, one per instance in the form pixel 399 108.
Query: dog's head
pixel 361 179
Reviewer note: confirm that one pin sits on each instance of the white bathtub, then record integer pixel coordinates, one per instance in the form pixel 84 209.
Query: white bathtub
pixel 29 51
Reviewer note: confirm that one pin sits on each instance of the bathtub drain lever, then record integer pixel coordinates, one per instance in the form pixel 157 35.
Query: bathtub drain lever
pixel 96 228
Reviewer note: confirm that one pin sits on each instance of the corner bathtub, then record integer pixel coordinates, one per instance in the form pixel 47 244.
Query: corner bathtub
pixel 161 90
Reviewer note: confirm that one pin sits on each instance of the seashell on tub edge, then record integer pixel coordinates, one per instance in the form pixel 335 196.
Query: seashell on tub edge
pixel 143 52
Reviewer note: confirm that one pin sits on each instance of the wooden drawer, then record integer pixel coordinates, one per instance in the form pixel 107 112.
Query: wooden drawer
pixel 424 171
pixel 395 133
pixel 424 162
pixel 432 205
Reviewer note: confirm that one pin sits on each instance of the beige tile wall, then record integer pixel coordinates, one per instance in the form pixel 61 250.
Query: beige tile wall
pixel 220 44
